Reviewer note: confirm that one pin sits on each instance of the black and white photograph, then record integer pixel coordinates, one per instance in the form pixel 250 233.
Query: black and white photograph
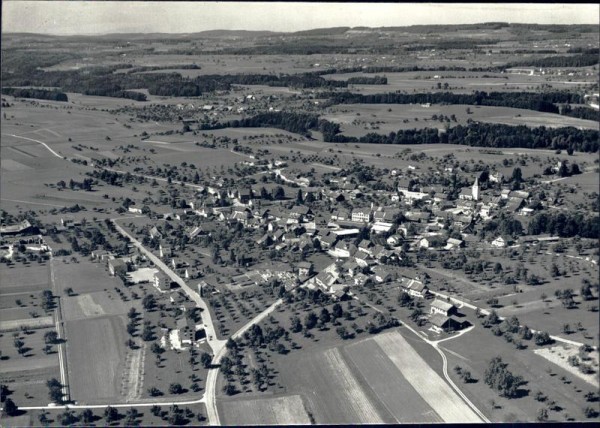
pixel 299 213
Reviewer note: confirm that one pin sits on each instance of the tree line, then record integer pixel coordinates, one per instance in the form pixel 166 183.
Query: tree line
pixel 479 135
pixel 582 60
pixel 544 101
pixel 40 94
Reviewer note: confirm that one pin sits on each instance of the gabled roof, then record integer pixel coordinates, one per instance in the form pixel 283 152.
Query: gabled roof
pixel 440 304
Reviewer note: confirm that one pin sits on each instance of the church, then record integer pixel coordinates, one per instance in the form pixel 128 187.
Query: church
pixel 472 194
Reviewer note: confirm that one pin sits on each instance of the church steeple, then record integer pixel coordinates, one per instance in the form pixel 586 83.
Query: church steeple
pixel 475 190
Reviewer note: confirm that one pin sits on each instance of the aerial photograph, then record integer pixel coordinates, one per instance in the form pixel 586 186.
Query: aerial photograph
pixel 276 213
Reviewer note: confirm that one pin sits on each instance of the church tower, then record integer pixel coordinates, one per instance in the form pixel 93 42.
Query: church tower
pixel 475 191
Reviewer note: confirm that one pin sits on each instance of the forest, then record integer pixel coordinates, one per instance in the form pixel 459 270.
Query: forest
pixel 538 101
pixel 40 94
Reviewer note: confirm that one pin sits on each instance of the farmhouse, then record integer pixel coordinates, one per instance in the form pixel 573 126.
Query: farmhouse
pixel 443 308
pixel 414 287
pixel 441 323
pixel 117 267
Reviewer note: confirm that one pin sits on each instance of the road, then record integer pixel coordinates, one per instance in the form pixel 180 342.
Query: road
pixel 211 380
pixel 39 142
pixel 62 351
pixel 209 327
pixel 434 344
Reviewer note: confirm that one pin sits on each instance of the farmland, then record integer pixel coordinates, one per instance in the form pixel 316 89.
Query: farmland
pixel 287 410
pixel 344 226
pixel 359 119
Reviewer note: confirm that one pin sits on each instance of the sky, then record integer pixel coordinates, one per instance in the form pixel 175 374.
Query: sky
pixel 105 17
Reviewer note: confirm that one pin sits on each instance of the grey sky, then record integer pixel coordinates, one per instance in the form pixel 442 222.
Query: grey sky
pixel 79 17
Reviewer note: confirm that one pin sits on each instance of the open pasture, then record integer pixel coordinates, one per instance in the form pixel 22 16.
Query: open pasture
pixel 287 410
pixel 360 119
pixel 458 81
pixel 24 279
pixel 559 355
pixel 28 384
pixel 474 350
pixel 96 357
pixel 84 276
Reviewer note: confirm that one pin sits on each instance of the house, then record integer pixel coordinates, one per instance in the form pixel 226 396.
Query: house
pixel 362 215
pixel 382 274
pixel 360 279
pixel 328 240
pixel 155 233
pixel 443 308
pixel 134 210
pixel 100 255
pixel 300 212
pixel 505 193
pixel 305 268
pixel 326 279
pixel 340 214
pixel 117 267
pixel 441 323
pixel 499 242
pixel 453 243
pixel 414 287
pixel 161 281
pixel 15 229
pixel 186 331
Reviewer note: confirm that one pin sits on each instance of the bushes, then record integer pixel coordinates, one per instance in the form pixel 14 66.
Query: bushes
pixel 542 338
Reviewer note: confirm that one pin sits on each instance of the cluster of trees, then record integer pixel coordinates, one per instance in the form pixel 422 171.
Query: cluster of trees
pixel 40 94
pixel 55 390
pixel 586 113
pixel 364 80
pixel 538 101
pixel 86 184
pixel 103 92
pixel 565 225
pixel 499 378
pixel 299 123
pixel 583 60
pixel 480 135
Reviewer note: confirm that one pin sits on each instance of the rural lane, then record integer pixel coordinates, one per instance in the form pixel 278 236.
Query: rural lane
pixel 487 312
pixel 211 380
pixel 211 335
pixel 217 346
pixel 39 142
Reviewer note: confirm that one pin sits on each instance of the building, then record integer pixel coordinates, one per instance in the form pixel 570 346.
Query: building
pixel 441 323
pixel 362 215
pixel 472 194
pixel 305 268
pixel 414 288
pixel 443 308
pixel 161 281
pixel 499 242
pixel 117 267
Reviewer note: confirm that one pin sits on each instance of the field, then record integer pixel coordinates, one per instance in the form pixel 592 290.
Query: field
pixel 360 119
pixel 288 410
pixel 96 357
pixel 381 379
pixel 425 81
pixel 474 350
pixel 331 390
